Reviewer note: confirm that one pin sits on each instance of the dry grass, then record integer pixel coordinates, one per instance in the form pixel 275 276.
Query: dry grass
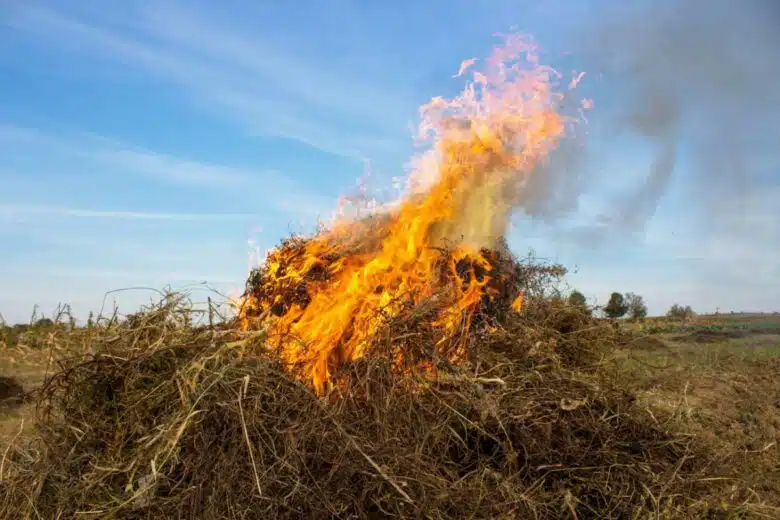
pixel 726 393
pixel 157 419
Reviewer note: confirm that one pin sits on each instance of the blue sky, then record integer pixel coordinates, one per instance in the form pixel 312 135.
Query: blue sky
pixel 146 143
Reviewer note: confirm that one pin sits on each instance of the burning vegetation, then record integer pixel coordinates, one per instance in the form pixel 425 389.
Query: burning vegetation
pixel 457 294
pixel 405 365
pixel 324 299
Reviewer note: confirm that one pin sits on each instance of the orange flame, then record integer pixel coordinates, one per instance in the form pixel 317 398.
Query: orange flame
pixel 486 142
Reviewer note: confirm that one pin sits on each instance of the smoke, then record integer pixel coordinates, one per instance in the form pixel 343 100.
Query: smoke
pixel 556 183
pixel 698 83
pixel 693 83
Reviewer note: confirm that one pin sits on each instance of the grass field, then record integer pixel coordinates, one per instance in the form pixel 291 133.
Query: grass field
pixel 722 382
pixel 28 353
pixel 717 376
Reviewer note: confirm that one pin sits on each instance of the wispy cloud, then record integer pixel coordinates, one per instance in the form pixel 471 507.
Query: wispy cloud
pixel 125 157
pixel 65 155
pixel 17 212
pixel 235 71
pixel 180 171
pixel 129 276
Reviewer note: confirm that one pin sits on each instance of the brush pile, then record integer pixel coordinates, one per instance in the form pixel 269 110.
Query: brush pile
pixel 303 268
pixel 167 420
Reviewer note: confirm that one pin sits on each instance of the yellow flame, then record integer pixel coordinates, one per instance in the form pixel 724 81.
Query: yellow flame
pixel 485 141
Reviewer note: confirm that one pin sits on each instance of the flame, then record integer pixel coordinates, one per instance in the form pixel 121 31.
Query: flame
pixel 484 144
pixel 464 66
pixel 517 303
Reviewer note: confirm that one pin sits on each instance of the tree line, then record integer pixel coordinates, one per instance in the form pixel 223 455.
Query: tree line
pixel 631 306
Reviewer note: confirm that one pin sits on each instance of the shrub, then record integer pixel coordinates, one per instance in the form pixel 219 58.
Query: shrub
pixel 637 309
pixel 577 299
pixel 678 312
pixel 616 307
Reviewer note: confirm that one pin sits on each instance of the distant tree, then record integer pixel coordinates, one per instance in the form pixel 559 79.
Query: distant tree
pixel 44 323
pixel 616 307
pixel 577 299
pixel 678 312
pixel 637 310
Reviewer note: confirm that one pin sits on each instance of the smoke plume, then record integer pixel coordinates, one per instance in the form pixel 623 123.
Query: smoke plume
pixel 697 83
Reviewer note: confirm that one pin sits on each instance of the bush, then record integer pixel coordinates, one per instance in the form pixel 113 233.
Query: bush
pixel 577 299
pixel 678 312
pixel 637 310
pixel 616 307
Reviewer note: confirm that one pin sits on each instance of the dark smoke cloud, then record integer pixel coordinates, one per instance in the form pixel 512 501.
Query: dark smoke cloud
pixel 699 78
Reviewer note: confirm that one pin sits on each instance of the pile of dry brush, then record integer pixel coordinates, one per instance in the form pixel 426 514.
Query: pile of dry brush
pixel 167 420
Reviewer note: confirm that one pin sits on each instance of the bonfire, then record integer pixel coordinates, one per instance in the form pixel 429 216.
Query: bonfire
pixel 325 298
